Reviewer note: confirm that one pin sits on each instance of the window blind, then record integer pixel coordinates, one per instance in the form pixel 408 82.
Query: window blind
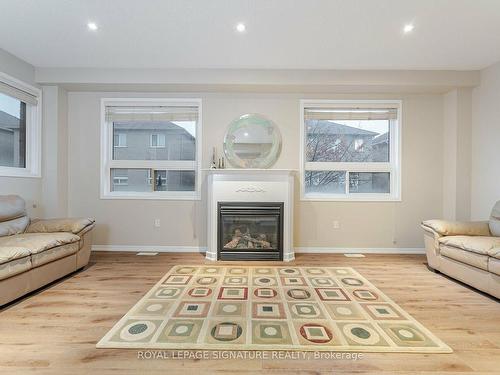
pixel 18 93
pixel 154 113
pixel 337 114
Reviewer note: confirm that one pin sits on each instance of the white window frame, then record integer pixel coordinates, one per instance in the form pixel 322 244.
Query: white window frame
pixel 121 137
pixel 158 137
pixel 33 155
pixel 107 162
pixel 393 166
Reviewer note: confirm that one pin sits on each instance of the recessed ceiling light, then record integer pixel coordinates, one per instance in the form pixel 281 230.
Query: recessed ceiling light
pixel 408 28
pixel 92 26
pixel 240 27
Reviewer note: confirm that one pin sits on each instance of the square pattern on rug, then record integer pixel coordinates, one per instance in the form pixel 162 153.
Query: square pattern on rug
pixel 269 308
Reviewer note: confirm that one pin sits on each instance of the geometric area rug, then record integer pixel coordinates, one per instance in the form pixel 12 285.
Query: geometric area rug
pixel 212 307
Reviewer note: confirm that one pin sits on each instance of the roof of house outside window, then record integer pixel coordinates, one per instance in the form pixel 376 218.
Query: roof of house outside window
pixel 330 127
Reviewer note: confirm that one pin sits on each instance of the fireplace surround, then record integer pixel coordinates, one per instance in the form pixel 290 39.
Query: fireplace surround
pixel 250 214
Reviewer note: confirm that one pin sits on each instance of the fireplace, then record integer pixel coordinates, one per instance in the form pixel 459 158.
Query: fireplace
pixel 260 202
pixel 250 231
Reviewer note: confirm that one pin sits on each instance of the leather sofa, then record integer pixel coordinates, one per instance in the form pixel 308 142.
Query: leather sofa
pixel 466 251
pixel 34 253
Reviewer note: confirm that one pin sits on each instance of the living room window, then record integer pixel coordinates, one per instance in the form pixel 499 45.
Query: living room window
pixel 151 148
pixel 19 128
pixel 350 150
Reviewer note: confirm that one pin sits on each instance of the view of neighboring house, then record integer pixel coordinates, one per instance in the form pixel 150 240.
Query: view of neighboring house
pixel 380 146
pixel 12 141
pixel 153 140
pixel 328 141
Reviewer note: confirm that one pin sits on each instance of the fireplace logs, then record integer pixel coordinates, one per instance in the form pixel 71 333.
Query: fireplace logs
pixel 246 241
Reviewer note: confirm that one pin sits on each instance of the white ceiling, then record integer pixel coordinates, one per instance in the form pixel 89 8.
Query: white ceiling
pixel 281 34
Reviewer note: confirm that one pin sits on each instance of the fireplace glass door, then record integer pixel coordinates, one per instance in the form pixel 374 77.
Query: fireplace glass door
pixel 250 231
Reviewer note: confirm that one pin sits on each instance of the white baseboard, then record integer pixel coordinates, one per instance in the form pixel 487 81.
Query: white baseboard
pixel 366 250
pixel 158 249
pixel 203 249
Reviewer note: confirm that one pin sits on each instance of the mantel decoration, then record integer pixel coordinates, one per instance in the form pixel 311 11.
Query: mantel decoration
pixel 222 162
pixel 252 141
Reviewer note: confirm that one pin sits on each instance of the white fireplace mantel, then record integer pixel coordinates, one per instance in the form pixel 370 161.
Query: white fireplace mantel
pixel 250 185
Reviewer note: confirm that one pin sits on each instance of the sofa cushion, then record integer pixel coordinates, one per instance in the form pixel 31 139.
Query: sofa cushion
pixel 11 207
pixel 54 253
pixel 477 244
pixel 494 266
pixel 14 226
pixel 494 253
pixel 38 242
pixel 13 260
pixel 13 219
pixel 465 256
pixel 495 220
pixel 8 254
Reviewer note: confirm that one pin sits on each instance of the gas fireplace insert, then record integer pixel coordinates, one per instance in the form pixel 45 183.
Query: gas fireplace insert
pixel 250 231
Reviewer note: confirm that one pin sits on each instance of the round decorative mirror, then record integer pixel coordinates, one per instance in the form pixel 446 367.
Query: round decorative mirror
pixel 252 141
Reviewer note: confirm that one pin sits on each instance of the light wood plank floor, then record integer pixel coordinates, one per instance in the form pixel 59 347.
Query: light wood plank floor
pixel 55 330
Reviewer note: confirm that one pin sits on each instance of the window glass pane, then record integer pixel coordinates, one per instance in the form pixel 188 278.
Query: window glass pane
pixel 174 180
pixel 369 182
pixel 147 180
pixel 347 140
pixel 120 140
pixel 130 180
pixel 326 182
pixel 155 140
pixel 12 132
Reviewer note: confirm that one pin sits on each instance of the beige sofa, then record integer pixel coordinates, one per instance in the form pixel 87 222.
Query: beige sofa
pixel 33 254
pixel 466 251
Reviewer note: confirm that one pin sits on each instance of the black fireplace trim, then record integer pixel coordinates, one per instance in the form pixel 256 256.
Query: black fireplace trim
pixel 257 254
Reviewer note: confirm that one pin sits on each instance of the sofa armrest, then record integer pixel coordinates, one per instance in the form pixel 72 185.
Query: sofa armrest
pixel 69 225
pixel 457 228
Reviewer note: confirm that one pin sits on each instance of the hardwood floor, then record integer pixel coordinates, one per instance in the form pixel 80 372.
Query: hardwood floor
pixel 55 330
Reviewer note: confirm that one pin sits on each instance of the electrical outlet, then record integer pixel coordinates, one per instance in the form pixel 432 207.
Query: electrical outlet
pixel 336 224
pixel 157 223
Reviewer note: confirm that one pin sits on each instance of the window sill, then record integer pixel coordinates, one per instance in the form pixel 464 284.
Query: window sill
pixel 174 196
pixel 351 198
pixel 18 172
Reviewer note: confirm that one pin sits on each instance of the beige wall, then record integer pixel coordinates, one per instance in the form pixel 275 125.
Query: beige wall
pixel 55 153
pixel 457 112
pixel 485 189
pixel 362 225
